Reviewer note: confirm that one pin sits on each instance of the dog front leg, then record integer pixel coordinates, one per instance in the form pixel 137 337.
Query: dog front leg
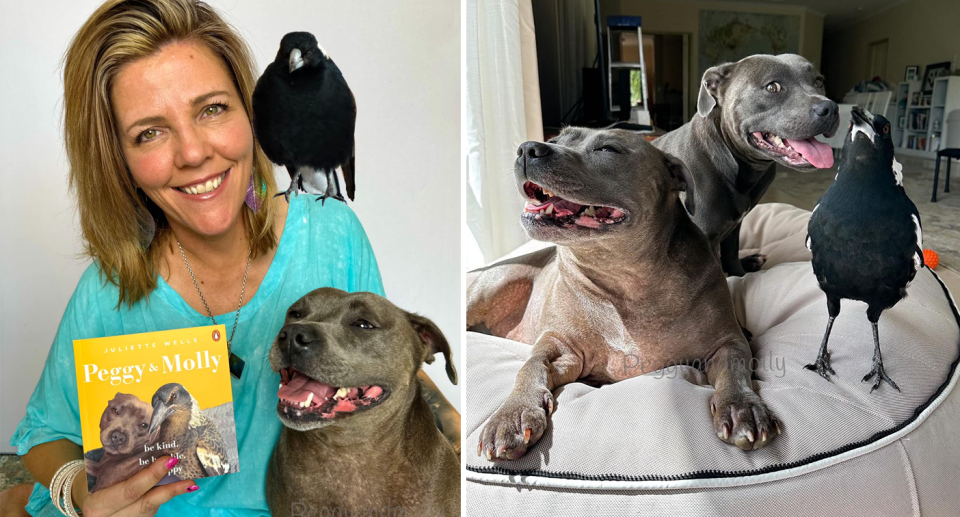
pixel 730 254
pixel 739 415
pixel 522 418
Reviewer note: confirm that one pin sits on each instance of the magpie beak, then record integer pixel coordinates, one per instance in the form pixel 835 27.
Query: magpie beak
pixel 296 60
pixel 862 123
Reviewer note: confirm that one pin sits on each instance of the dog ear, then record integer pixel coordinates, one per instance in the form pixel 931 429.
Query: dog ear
pixel 431 336
pixel 710 88
pixel 682 174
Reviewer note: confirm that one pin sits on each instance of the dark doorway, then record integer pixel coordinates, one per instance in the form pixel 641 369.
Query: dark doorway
pixel 666 78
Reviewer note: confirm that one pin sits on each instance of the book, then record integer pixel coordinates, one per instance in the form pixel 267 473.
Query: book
pixel 144 396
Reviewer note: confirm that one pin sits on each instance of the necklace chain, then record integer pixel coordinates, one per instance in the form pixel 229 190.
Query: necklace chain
pixel 204 300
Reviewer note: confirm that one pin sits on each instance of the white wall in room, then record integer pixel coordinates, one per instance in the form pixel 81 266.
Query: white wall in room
pixel 402 61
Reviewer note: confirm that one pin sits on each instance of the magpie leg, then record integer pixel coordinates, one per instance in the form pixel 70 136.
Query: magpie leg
pixel 336 182
pixel 877 370
pixel 292 189
pixel 822 364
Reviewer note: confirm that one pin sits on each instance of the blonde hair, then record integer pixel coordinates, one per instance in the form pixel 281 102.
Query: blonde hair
pixel 112 214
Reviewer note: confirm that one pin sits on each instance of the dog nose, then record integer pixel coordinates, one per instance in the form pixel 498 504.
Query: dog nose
pixel 297 336
pixel 825 108
pixel 533 150
pixel 118 438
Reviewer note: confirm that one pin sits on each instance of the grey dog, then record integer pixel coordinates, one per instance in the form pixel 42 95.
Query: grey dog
pixel 358 437
pixel 631 277
pixel 751 115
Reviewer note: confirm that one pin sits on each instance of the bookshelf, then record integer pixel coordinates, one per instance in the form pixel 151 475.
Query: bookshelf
pixel 919 120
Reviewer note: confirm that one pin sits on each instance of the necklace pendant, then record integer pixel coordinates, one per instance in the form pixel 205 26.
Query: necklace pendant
pixel 236 365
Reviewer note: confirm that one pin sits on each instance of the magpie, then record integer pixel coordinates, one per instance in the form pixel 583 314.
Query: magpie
pixel 865 234
pixel 304 116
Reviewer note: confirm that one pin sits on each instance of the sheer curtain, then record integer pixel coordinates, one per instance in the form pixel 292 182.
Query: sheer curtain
pixel 502 111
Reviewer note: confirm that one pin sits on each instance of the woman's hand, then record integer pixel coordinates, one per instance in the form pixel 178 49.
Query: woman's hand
pixel 135 496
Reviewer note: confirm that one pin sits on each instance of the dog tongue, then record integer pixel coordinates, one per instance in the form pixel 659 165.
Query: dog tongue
pixel 561 207
pixel 819 154
pixel 300 387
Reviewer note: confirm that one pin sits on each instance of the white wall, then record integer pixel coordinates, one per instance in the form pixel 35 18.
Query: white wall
pixel 402 61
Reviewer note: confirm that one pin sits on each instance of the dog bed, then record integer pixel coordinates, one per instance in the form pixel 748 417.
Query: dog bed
pixel 646 445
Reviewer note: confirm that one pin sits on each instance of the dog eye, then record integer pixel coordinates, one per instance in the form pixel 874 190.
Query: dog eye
pixel 773 87
pixel 293 314
pixel 362 323
pixel 607 149
pixel 116 411
pixel 818 83
pixel 143 425
pixel 174 397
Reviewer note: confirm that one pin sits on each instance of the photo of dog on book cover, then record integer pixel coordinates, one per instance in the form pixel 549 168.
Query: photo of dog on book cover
pixel 134 432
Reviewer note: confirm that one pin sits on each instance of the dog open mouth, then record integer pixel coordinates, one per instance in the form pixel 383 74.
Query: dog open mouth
pixel 796 152
pixel 546 207
pixel 302 397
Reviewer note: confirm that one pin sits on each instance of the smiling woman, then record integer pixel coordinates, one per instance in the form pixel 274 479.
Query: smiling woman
pixel 189 147
pixel 177 210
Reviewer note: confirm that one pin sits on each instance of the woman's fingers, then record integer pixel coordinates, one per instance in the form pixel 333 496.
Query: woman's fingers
pixel 127 497
pixel 151 501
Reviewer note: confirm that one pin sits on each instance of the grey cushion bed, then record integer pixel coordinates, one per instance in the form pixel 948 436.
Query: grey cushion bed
pixel 646 445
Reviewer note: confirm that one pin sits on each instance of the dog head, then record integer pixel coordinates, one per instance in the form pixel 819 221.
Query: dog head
pixel 771 108
pixel 586 185
pixel 124 425
pixel 343 354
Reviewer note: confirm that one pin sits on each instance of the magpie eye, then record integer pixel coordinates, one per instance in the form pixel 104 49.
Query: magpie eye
pixel 818 83
pixel 886 129
pixel 607 149
pixel 362 323
pixel 773 87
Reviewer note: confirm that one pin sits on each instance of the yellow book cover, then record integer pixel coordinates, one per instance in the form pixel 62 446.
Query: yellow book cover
pixel 143 396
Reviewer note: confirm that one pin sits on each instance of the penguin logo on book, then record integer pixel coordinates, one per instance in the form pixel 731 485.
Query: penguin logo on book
pixel 216 335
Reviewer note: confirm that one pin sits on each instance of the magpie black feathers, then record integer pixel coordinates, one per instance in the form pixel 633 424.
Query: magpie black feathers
pixel 865 234
pixel 304 116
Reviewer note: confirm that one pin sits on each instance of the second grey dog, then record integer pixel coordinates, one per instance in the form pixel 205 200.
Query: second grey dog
pixel 358 436
pixel 630 288
pixel 751 115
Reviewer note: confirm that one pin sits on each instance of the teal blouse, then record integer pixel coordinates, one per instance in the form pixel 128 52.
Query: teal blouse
pixel 321 246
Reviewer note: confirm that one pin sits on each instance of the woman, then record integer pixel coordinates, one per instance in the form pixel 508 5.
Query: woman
pixel 177 210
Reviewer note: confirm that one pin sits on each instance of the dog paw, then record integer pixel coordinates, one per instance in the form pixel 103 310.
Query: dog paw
pixel 753 263
pixel 743 420
pixel 516 426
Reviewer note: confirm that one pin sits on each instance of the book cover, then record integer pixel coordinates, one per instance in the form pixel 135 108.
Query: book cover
pixel 144 396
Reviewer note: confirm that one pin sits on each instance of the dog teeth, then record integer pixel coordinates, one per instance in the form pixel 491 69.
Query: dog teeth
pixel 549 193
pixel 342 393
pixel 591 211
pixel 549 210
pixel 777 140
pixel 309 400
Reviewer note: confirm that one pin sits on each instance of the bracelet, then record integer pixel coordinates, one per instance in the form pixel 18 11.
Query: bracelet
pixel 62 484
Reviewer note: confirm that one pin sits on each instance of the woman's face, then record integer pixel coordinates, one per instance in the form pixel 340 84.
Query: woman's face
pixel 185 136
